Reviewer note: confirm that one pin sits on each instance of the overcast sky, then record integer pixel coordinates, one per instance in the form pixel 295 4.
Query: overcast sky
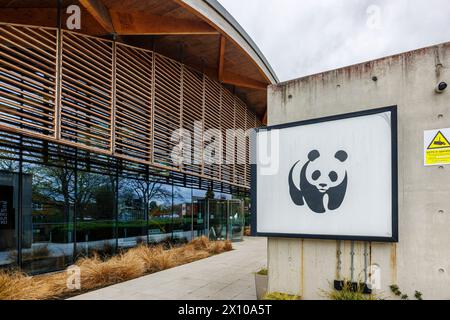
pixel 303 37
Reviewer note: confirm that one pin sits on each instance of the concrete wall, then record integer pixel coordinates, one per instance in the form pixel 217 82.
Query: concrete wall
pixel 421 260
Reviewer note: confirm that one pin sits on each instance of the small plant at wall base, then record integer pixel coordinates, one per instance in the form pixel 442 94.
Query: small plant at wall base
pixel 349 292
pixel 280 296
pixel 396 291
pixel 263 272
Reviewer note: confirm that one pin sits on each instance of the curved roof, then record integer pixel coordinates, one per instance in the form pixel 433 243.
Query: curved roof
pixel 242 37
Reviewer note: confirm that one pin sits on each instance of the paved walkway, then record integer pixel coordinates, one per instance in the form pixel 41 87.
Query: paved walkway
pixel 226 276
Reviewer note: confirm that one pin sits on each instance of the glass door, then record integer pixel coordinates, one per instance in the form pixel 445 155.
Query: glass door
pixel 9 196
pixel 225 220
pixel 218 215
pixel 200 225
pixel 236 220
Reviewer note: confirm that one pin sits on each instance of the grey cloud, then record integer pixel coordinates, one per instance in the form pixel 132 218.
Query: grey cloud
pixel 302 37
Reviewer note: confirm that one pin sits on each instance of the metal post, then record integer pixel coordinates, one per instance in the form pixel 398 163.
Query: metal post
pixel 352 264
pixel 366 262
pixel 339 260
pixel 58 72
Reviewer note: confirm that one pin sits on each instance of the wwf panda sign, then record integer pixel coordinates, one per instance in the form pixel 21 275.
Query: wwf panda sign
pixel 328 178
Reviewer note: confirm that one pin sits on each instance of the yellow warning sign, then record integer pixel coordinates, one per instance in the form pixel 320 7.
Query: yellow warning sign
pixel 439 142
pixel 437 147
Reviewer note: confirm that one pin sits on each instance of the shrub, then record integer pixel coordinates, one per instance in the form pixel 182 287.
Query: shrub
pixel 349 293
pixel 98 272
pixel 280 296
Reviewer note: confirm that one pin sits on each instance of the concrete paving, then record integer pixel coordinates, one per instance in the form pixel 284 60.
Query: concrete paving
pixel 228 276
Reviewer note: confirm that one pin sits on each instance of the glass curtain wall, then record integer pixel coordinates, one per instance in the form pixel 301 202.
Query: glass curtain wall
pixel 182 214
pixel 160 211
pixel 132 219
pixel 48 195
pixel 70 203
pixel 9 212
pixel 199 213
pixel 96 213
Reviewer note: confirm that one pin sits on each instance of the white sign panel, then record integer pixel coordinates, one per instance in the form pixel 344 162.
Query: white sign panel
pixel 329 178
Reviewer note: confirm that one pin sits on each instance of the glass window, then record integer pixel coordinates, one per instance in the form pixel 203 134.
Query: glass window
pixel 132 212
pixel 200 221
pixel 95 203
pixel 236 219
pixel 48 194
pixel 160 208
pixel 182 214
pixel 9 212
pixel 248 216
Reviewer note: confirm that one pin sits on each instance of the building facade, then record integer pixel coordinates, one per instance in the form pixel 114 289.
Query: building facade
pixel 122 123
pixel 420 260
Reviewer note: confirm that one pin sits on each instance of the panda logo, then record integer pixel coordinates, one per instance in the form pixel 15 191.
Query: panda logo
pixel 322 182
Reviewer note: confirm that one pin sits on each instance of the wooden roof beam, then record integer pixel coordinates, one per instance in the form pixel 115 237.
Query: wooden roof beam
pixel 100 13
pixel 142 23
pixel 221 58
pixel 264 120
pixel 242 81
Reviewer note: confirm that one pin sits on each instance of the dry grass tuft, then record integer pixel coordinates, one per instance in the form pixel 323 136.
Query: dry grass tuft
pixel 219 246
pixel 201 243
pixel 155 258
pixel 97 272
pixel 15 285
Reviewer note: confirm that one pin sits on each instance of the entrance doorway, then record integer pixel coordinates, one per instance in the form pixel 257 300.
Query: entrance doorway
pixel 225 220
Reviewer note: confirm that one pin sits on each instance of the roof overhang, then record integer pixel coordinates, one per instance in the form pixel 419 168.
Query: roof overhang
pixel 213 12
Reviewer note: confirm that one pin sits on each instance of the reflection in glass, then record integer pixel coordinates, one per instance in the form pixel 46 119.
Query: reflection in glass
pixel 182 214
pixel 47 217
pixel 199 213
pixel 160 212
pixel 236 220
pixel 132 212
pixel 95 202
pixel 96 206
pixel 218 226
pixel 9 212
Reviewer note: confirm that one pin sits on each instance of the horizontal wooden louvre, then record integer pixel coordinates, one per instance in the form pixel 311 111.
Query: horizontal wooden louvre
pixel 250 123
pixel 258 123
pixel 193 118
pixel 133 120
pixel 213 142
pixel 241 145
pixel 167 110
pixel 228 136
pixel 86 96
pixel 108 98
pixel 28 71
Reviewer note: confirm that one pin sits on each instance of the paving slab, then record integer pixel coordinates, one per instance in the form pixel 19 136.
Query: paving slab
pixel 227 276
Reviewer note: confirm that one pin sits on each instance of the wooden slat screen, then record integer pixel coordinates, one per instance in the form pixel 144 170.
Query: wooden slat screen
pixel 227 124
pixel 167 113
pixel 258 123
pixel 86 90
pixel 213 113
pixel 28 71
pixel 240 112
pixel 193 117
pixel 114 99
pixel 133 117
pixel 250 124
